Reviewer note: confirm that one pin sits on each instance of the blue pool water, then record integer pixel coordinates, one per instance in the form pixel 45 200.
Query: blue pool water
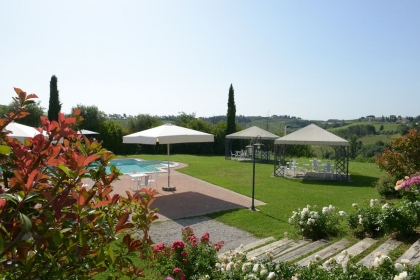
pixel 141 166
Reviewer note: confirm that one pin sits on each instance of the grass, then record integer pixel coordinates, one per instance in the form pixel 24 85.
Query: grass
pixel 372 139
pixel 281 195
pixel 377 125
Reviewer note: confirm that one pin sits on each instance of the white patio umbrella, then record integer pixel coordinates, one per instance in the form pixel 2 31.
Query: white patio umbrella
pixel 168 134
pixel 86 132
pixel 21 131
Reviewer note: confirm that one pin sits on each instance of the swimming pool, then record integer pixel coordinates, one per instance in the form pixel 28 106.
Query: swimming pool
pixel 141 166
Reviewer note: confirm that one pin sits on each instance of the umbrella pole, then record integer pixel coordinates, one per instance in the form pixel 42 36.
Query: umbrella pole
pixel 169 170
pixel 169 188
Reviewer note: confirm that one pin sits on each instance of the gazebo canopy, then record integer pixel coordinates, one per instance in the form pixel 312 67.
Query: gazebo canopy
pixel 312 135
pixel 251 133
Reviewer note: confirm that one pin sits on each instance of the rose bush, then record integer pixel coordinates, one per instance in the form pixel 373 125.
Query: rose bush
pixel 188 258
pixel 378 219
pixel 315 224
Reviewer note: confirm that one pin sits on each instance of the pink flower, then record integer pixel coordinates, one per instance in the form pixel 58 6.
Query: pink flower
pixel 159 248
pixel 205 238
pixel 407 183
pixel 178 245
pixel 192 240
pixel 187 231
pixel 184 254
pixel 218 246
pixel 177 270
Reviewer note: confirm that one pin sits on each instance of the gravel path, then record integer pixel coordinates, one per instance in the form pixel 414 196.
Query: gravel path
pixel 169 231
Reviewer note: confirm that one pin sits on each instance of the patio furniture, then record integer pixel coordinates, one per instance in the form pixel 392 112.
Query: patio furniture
pixel 136 178
pixel 315 165
pixel 328 169
pixel 292 167
pixel 153 179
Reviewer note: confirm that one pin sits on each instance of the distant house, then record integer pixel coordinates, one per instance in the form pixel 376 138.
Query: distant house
pixel 403 121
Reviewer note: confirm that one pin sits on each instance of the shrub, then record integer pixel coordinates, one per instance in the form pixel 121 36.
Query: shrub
pixel 386 186
pixel 188 258
pixel 316 224
pixel 400 220
pixel 403 157
pixel 377 219
pixel 364 221
pixel 51 226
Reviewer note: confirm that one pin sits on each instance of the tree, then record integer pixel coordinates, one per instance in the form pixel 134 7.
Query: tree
pixel 403 158
pixel 55 105
pixel 231 112
pixel 51 225
pixel 403 129
pixel 34 109
pixel 93 118
pixel 355 146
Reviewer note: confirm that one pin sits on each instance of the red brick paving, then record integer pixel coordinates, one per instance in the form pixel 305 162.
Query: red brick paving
pixel 193 197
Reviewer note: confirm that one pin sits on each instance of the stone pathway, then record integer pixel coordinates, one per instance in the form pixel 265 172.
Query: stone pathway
pixel 288 250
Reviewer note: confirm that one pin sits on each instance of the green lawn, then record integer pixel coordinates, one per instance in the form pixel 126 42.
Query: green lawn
pixel 281 195
pixel 377 125
pixel 372 139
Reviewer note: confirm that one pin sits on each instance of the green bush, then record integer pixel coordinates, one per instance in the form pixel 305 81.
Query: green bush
pixel 386 187
pixel 377 220
pixel 398 220
pixel 316 224
pixel 364 221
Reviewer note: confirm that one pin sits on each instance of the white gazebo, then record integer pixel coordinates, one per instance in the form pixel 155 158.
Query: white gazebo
pixel 251 134
pixel 314 135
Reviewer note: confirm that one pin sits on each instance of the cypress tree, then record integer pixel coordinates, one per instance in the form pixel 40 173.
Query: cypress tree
pixel 55 105
pixel 231 113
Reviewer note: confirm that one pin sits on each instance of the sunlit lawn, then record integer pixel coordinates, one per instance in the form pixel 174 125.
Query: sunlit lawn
pixel 281 195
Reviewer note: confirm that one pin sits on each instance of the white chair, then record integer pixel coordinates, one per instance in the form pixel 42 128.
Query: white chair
pixel 153 179
pixel 328 169
pixel 291 168
pixel 85 184
pixel 315 165
pixel 145 183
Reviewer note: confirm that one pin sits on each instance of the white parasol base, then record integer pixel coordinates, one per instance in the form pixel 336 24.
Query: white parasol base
pixel 169 188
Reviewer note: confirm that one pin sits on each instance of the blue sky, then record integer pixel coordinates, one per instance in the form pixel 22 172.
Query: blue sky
pixel 311 59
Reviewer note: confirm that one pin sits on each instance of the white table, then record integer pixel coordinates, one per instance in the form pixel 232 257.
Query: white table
pixel 137 177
